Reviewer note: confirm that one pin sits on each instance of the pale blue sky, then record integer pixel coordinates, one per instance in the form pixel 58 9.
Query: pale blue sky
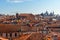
pixel 29 6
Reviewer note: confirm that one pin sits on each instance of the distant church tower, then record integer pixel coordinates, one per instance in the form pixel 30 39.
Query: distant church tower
pixel 17 15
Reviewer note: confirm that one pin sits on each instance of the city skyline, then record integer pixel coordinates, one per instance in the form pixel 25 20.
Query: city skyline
pixel 29 6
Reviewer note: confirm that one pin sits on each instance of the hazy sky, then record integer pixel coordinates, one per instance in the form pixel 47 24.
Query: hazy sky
pixel 29 6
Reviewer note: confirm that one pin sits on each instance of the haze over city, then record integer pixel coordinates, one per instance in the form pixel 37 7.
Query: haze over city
pixel 29 6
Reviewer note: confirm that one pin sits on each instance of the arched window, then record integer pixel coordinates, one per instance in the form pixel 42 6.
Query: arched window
pixel 0 34
pixel 15 34
pixel 10 34
pixel 6 34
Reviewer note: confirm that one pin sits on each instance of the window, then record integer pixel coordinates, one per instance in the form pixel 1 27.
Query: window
pixel 10 34
pixel 15 34
pixel 0 34
pixel 6 35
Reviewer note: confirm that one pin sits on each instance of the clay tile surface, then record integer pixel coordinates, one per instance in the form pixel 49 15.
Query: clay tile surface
pixel 9 28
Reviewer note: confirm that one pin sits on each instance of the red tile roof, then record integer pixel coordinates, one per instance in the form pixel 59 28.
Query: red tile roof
pixel 9 27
